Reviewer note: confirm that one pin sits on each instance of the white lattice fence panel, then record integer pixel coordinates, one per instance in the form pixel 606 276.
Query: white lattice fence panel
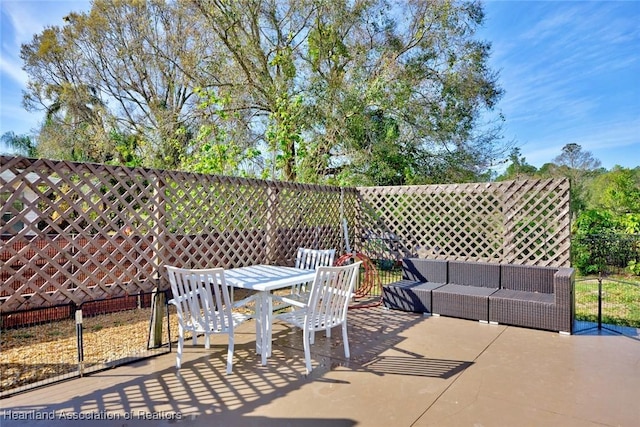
pixel 523 222
pixel 537 222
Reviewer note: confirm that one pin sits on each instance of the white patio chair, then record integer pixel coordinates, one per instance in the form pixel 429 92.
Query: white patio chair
pixel 326 307
pixel 201 297
pixel 308 259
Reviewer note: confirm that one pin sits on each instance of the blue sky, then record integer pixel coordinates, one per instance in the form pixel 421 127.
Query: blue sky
pixel 570 71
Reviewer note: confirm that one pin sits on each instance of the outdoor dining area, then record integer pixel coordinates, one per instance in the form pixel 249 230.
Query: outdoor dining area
pixel 201 297
pixel 284 363
pixel 266 283
pixel 405 369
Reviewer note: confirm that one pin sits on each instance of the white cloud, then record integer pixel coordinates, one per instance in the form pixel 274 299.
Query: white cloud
pixel 551 25
pixel 23 19
pixel 13 68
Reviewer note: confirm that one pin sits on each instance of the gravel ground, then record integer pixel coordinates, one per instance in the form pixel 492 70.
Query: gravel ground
pixel 46 351
pixel 49 350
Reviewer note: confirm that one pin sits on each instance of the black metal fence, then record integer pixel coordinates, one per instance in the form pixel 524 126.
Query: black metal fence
pixel 45 345
pixel 41 346
pixel 604 302
pixel 608 293
pixel 606 253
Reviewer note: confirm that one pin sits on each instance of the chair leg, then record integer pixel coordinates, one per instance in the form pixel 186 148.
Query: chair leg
pixel 180 347
pixel 230 354
pixel 345 340
pixel 307 351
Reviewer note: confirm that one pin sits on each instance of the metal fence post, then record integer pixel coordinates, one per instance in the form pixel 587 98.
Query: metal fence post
pixel 79 342
pixel 599 301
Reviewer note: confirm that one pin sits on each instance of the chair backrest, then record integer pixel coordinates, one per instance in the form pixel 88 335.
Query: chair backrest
pixel 311 259
pixel 202 298
pixel 330 294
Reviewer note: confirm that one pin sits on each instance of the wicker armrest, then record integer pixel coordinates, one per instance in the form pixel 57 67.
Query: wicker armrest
pixel 565 273
pixel 563 284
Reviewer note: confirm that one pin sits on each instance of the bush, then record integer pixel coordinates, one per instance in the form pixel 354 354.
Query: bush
pixel 599 245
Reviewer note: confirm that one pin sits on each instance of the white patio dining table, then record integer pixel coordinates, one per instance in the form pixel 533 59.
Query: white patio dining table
pixel 264 279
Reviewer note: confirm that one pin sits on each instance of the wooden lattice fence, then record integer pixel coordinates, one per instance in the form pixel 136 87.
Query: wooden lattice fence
pixel 521 222
pixel 77 232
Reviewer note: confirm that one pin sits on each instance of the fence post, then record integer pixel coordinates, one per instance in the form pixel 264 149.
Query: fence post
pixel 599 301
pixel 158 297
pixel 159 207
pixel 272 225
pixel 157 314
pixel 79 341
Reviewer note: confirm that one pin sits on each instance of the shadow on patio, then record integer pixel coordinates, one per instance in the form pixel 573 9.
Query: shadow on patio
pixel 405 369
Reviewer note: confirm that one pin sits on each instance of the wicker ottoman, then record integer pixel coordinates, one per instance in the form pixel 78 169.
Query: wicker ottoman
pixel 466 302
pixel 409 295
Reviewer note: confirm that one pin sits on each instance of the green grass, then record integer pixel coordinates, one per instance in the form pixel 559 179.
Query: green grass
pixel 620 300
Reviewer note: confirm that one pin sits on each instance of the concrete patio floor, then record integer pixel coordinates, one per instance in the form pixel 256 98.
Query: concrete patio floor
pixel 404 370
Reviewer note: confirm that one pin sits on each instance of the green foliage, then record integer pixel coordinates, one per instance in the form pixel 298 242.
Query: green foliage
pixel 126 150
pixel 216 152
pixel 296 78
pixel 283 136
pixel 518 168
pixel 592 230
pixel 617 191
pixel 634 267
pixel 606 234
pixel 21 144
pixel 601 242
pixel 629 223
pixel 218 158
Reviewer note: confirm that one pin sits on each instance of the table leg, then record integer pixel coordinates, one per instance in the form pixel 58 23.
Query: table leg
pixel 259 322
pixel 268 328
pixel 263 325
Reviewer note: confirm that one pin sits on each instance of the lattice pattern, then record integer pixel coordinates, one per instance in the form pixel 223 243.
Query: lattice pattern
pixel 75 232
pixel 520 222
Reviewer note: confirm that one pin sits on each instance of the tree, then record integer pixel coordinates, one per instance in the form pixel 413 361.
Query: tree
pixel 579 166
pixel 518 168
pixel 601 231
pixel 617 191
pixel 21 144
pixel 574 158
pixel 318 86
pixel 136 57
pixel 314 72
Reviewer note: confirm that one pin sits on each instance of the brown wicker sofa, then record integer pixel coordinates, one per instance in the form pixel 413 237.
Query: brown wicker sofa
pixel 529 296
